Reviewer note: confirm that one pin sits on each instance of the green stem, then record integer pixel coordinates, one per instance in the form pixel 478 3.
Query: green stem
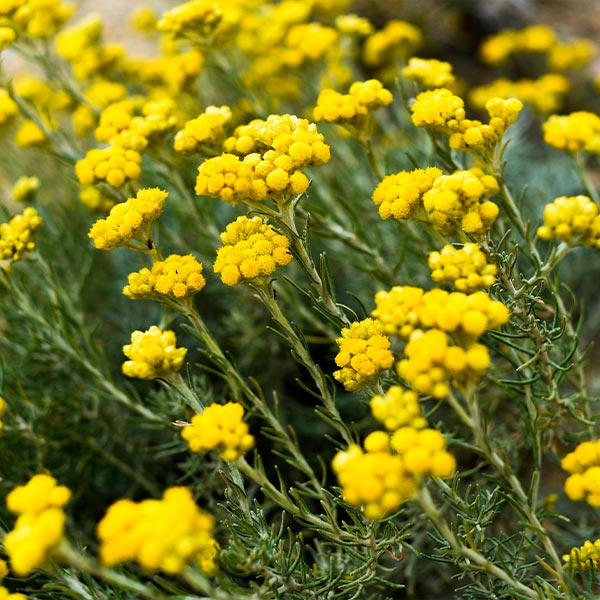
pixel 585 178
pixel 471 556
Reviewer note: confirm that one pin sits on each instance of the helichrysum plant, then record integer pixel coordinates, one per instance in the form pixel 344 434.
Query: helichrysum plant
pixel 291 311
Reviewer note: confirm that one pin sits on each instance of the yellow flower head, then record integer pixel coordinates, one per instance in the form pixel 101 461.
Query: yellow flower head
pixel 398 407
pixel 30 134
pixel 42 18
pixel 453 202
pixel 400 196
pixel 197 18
pixel 579 131
pixel 466 267
pixel 129 221
pixel 24 188
pixel 8 108
pixel 251 249
pixel 437 109
pixel 7 37
pixel 95 200
pixel 204 133
pixel 432 363
pixel 429 72
pixel 585 557
pixel 16 236
pixel 396 41
pixel 219 427
pixel 40 525
pixel 166 534
pixel 176 277
pixel 114 165
pixel 364 354
pixel 584 465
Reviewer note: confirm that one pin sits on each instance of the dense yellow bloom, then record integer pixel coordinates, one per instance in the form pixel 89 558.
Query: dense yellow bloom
pixel 7 37
pixel 354 107
pixel 396 41
pixel 404 309
pixel 30 134
pixel 152 354
pixel 388 472
pixel 353 25
pixel 585 557
pixel 437 109
pixel 24 188
pixel 432 363
pixel 251 249
pixel 219 427
pixel 497 48
pixel 307 42
pixel 584 464
pixel 128 221
pixel 8 108
pixel 573 54
pixel 197 18
pixel 144 19
pixel 203 133
pixel 429 72
pixel 176 277
pixel 574 132
pixel 16 236
pixel 42 18
pixel 40 525
pixel 466 267
pixel 400 196
pixel 398 310
pixel 364 354
pixel 114 165
pixel 453 202
pixel 115 118
pixel 166 534
pixel 397 408
pixel 544 95
pixel 229 178
pixel 572 219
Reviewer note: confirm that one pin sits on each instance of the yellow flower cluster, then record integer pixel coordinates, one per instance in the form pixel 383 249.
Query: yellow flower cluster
pixel 114 165
pixel 25 188
pixel 120 126
pixel 576 132
pixel 251 249
pixel 30 135
pixel 95 200
pixel 472 134
pixel 204 133
pixel 400 196
pixel 397 408
pixel 585 557
pixel 572 219
pixel 584 464
pixel 540 39
pixel 193 19
pixel 229 178
pixel 466 267
pixel 394 43
pixel 431 363
pixel 82 46
pixel 40 525
pixel 8 108
pixel 364 354
pixel 281 133
pixel 404 309
pixel 219 427
pixel 129 221
pixel 7 37
pixel 429 72
pixel 544 95
pixel 37 18
pixel 389 470
pixel 5 594
pixel 152 354
pixel 16 236
pixel 353 26
pixel 99 94
pixel 453 202
pixel 437 109
pixel 176 277
pixel 166 534
pixel 354 107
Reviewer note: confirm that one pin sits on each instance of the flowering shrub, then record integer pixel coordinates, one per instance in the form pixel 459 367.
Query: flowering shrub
pixel 358 364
